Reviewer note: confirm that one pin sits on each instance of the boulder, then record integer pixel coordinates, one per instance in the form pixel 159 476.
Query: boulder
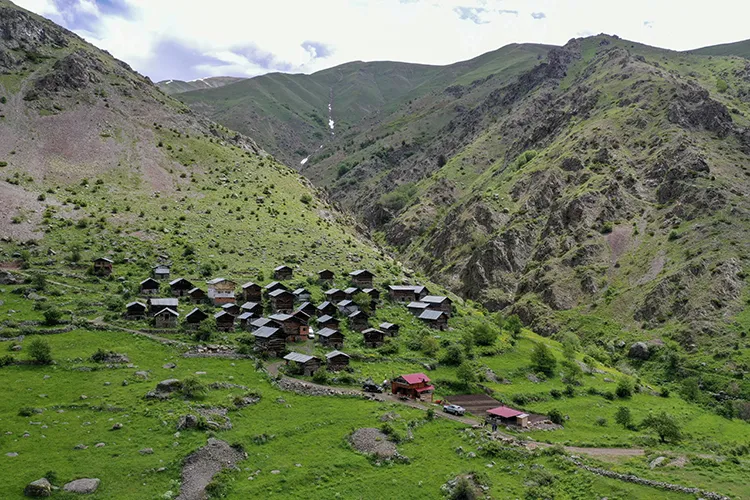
pixel 169 385
pixel 639 350
pixel 39 488
pixel 187 422
pixel 141 374
pixel 83 486
pixel 657 462
pixel 146 451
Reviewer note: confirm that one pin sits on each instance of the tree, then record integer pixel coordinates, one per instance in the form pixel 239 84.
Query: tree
pixel 441 161
pixel 542 360
pixel 52 316
pixel 624 388
pixel 664 425
pixel 363 301
pixel 40 351
pixel 453 355
pixel 430 345
pixel 556 416
pixel 570 344
pixel 513 325
pixel 484 333
pixel 572 372
pixel 39 281
pixel 465 373
pixel 624 417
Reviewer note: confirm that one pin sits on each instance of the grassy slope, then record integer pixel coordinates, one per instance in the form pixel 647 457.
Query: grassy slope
pixel 171 87
pixel 740 49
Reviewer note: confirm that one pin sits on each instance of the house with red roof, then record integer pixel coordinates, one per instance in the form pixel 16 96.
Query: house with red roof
pixel 414 385
pixel 503 415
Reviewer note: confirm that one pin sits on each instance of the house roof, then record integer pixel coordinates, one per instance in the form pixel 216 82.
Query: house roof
pixel 324 305
pixel 361 272
pixel 299 291
pixel 356 314
pixel 504 412
pixel 417 305
pixel 425 389
pixel 261 322
pixel 332 291
pixel 104 259
pixel 249 284
pixel 278 292
pixel 179 280
pixel 345 303
pixel 149 280
pixel 196 311
pixel 274 284
pixel 299 358
pixel 161 270
pixel 301 315
pixel 168 302
pixel 370 291
pixel 216 281
pixel 305 305
pixel 193 290
pixel 326 318
pixel 280 317
pixel 325 271
pixel 222 314
pixel 434 299
pixel 408 288
pixel 371 330
pixel 169 311
pixel 387 326
pixel 284 266
pixel 327 332
pixel 245 315
pixel 249 305
pixel 431 315
pixel 136 303
pixel 351 290
pixel 333 354
pixel 415 378
pixel 266 332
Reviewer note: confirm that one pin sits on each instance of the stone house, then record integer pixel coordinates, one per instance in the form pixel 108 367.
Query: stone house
pixel 197 296
pixel 326 276
pixel 157 304
pixel 224 321
pixel 358 321
pixel 270 340
pixel 439 303
pixel 251 292
pixel 194 318
pixel 282 301
pixel 161 272
pixel 330 338
pixel 166 318
pixel 221 291
pixel 373 337
pixel 435 319
pixel 135 310
pixel 149 287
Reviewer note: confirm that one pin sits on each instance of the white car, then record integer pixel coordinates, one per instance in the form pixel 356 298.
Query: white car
pixel 454 409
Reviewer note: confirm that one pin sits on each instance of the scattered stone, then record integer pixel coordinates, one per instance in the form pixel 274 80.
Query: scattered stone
pixel 16 347
pixel 124 383
pixel 80 447
pixel 169 385
pixel 187 422
pixel 275 471
pixel 117 426
pixel 11 454
pixel 161 469
pixel 372 441
pixel 471 454
pixel 83 396
pixel 46 377
pixel 200 373
pixel 390 416
pixel 99 445
pixel 169 366
pixel 107 383
pixel 657 462
pixel 201 466
pixel 533 378
pixel 83 486
pixel 146 451
pixel 142 375
pixel 39 488
pixel 639 350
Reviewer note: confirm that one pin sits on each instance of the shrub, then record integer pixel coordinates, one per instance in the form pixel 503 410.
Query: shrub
pixel 569 391
pixel 555 393
pixel 601 422
pixel 485 333
pixel 465 373
pixel 556 416
pixel 306 199
pixel 430 345
pixel 430 414
pixel 399 197
pixel 513 325
pixel 664 425
pixel 40 351
pixel 453 355
pixel 389 347
pixel 52 316
pixel 606 227
pixel 624 417
pixel 192 388
pixel 624 388
pixel 721 85
pixel 542 360
pixel 320 376
pixel 664 392
pixel 26 411
pixel 463 490
pixel 524 158
pixel 441 161
pixel 7 360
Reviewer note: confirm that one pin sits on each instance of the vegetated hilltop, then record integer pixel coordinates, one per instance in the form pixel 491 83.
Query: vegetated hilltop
pixel 290 114
pixel 602 190
pixel 94 156
pixel 171 87
pixel 739 49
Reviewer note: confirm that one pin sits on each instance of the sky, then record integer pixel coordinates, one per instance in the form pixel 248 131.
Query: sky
pixel 187 39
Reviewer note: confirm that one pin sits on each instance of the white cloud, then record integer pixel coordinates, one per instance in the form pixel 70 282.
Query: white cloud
pixel 214 38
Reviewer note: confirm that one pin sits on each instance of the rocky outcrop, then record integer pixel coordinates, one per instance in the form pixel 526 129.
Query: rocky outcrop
pixel 27 34
pixel 694 108
pixel 84 486
pixel 74 72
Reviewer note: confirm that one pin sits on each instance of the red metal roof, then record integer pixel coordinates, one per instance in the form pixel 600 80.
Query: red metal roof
pixel 504 411
pixel 415 378
pixel 425 389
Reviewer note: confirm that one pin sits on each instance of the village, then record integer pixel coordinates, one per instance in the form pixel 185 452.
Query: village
pixel 281 320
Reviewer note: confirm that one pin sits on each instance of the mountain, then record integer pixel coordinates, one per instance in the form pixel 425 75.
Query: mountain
pixel 95 157
pixel 739 49
pixel 598 190
pixel 171 87
pixel 294 115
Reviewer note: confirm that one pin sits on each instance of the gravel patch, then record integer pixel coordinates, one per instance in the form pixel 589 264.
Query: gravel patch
pixel 200 467
pixel 373 442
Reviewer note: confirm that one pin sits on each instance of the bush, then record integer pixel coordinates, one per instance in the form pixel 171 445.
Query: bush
pixel 453 355
pixel 601 422
pixel 664 392
pixel 664 425
pixel 555 393
pixel 52 316
pixel 26 411
pixel 320 376
pixel 430 414
pixel 192 388
pixel 485 333
pixel 7 360
pixel 556 416
pixel 513 325
pixel 306 199
pixel 441 161
pixel 465 373
pixel 721 85
pixel 542 360
pixel 624 388
pixel 389 347
pixel 624 417
pixel 40 351
pixel 399 197
pixel 524 158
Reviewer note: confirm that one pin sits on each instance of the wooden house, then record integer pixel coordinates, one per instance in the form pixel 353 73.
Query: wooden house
pixel 330 338
pixel 416 308
pixel 326 276
pixel 337 361
pixel 302 316
pixel 180 287
pixel 389 329
pixel 135 310
pixel 362 278
pixel 407 293
pixel 439 303
pixel 224 321
pixel 414 385
pixel 194 318
pixel 263 322
pixel 374 293
pixel 149 286
pixel 255 308
pixel 347 307
pixel 327 308
pixel 308 308
pixel 373 337
pixel 197 296
pixel 335 295
pixel 103 266
pixel 273 286
pixel 434 319
pixel 221 291
pixel 327 321
pixel 251 292
pixel 503 415
pixel 303 364
pixel 282 301
pixel 296 329
pixel 302 295
pixel 166 318
pixel 161 272
pixel 270 340
pixel 358 321
pixel 283 273
pixel 245 318
pixel 231 308
pixel 350 292
pixel 155 304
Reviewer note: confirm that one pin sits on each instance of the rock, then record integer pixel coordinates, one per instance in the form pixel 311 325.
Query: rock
pixel 187 422
pixel 99 445
pixel 83 486
pixel 169 385
pixel 142 374
pixel 639 350
pixel 83 396
pixel 117 426
pixel 169 366
pixel 146 451
pixel 16 347
pixel 80 447
pixel 658 461
pixel 39 488
pixel 11 454
pixel 471 454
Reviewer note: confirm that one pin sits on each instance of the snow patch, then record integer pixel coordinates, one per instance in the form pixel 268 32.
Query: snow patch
pixel 304 160
pixel 330 123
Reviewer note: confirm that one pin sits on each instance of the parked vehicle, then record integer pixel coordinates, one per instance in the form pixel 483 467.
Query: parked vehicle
pixel 370 386
pixel 454 410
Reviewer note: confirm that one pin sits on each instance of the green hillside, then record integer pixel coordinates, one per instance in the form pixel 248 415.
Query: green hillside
pixel 171 87
pixel 739 49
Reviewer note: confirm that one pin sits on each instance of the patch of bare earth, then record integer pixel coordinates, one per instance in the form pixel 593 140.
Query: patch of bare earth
pixel 25 208
pixel 618 241
pixel 656 267
pixel 200 467
pixel 372 442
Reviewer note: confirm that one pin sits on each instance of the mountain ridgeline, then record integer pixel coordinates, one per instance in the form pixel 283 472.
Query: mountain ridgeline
pixel 598 186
